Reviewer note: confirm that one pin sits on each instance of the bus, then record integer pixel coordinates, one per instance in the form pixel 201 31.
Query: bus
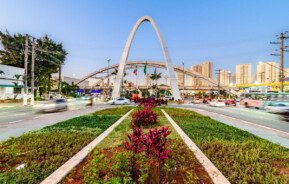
pixel 261 100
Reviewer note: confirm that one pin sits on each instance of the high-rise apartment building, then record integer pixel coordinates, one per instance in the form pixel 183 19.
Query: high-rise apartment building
pixel 267 72
pixel 233 78
pixel 225 76
pixel 243 73
pixel 206 69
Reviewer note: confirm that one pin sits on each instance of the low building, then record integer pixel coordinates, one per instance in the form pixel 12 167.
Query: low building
pixel 11 82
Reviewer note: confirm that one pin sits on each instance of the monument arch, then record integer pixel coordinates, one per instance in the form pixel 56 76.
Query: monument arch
pixel 170 70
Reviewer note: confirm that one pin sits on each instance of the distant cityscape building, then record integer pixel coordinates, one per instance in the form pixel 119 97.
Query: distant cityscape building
pixel 267 72
pixel 243 73
pixel 180 77
pixel 68 80
pixel 206 69
pixel 225 77
pixel 233 78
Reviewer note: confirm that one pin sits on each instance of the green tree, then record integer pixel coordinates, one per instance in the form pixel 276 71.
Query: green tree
pixel 17 88
pixel 155 76
pixel 68 89
pixel 50 55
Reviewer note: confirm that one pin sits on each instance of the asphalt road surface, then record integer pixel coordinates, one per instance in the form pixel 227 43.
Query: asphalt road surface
pixel 269 126
pixel 14 121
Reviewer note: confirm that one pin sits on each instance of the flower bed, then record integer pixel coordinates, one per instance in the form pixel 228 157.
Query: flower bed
pixel 33 156
pixel 239 155
pixel 113 161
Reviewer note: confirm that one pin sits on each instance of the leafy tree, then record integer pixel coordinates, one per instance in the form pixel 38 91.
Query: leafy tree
pixel 68 89
pixel 50 55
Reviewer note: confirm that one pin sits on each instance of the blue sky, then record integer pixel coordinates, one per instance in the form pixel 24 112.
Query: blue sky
pixel 227 32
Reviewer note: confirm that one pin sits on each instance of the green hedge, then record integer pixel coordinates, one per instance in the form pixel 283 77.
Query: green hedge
pixel 241 156
pixel 45 150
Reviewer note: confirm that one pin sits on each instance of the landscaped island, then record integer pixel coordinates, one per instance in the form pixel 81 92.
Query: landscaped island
pixel 33 156
pixel 144 148
pixel 241 156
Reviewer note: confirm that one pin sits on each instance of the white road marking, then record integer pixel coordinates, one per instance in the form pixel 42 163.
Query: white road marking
pixel 15 121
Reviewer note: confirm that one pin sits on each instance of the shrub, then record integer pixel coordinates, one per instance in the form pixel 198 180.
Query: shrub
pixel 154 145
pixel 144 117
pixel 151 102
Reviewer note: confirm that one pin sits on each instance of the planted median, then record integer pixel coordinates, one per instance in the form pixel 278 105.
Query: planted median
pixel 144 148
pixel 241 156
pixel 33 156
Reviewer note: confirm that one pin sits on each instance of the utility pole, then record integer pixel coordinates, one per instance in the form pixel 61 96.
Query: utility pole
pixel 59 84
pixel 282 37
pixel 25 71
pixel 32 71
pixel 218 72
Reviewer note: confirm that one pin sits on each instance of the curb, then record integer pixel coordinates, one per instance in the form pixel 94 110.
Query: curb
pixel 214 173
pixel 63 170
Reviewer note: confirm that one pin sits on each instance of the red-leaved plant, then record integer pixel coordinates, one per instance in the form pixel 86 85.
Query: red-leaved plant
pixel 154 145
pixel 156 142
pixel 135 141
pixel 144 117
pixel 150 102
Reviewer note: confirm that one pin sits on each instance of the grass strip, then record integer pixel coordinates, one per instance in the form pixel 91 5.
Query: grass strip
pixel 110 163
pixel 241 156
pixel 43 151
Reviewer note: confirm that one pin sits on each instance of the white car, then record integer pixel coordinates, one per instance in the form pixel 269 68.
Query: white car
pixel 217 103
pixel 55 105
pixel 120 101
pixel 167 98
pixel 278 108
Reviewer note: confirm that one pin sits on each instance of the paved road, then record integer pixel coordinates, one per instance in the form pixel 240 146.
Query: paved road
pixel 18 120
pixel 16 113
pixel 266 125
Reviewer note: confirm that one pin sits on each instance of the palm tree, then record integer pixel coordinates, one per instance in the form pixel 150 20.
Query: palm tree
pixel 155 76
pixel 16 85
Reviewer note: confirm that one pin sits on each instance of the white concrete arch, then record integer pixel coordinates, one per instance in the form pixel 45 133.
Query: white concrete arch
pixel 125 54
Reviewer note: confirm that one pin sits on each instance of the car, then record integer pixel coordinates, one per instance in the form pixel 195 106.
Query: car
pixel 207 100
pixel 231 102
pixel 120 101
pixel 197 101
pixel 59 104
pixel 217 103
pixel 278 108
pixel 87 100
pixel 167 98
